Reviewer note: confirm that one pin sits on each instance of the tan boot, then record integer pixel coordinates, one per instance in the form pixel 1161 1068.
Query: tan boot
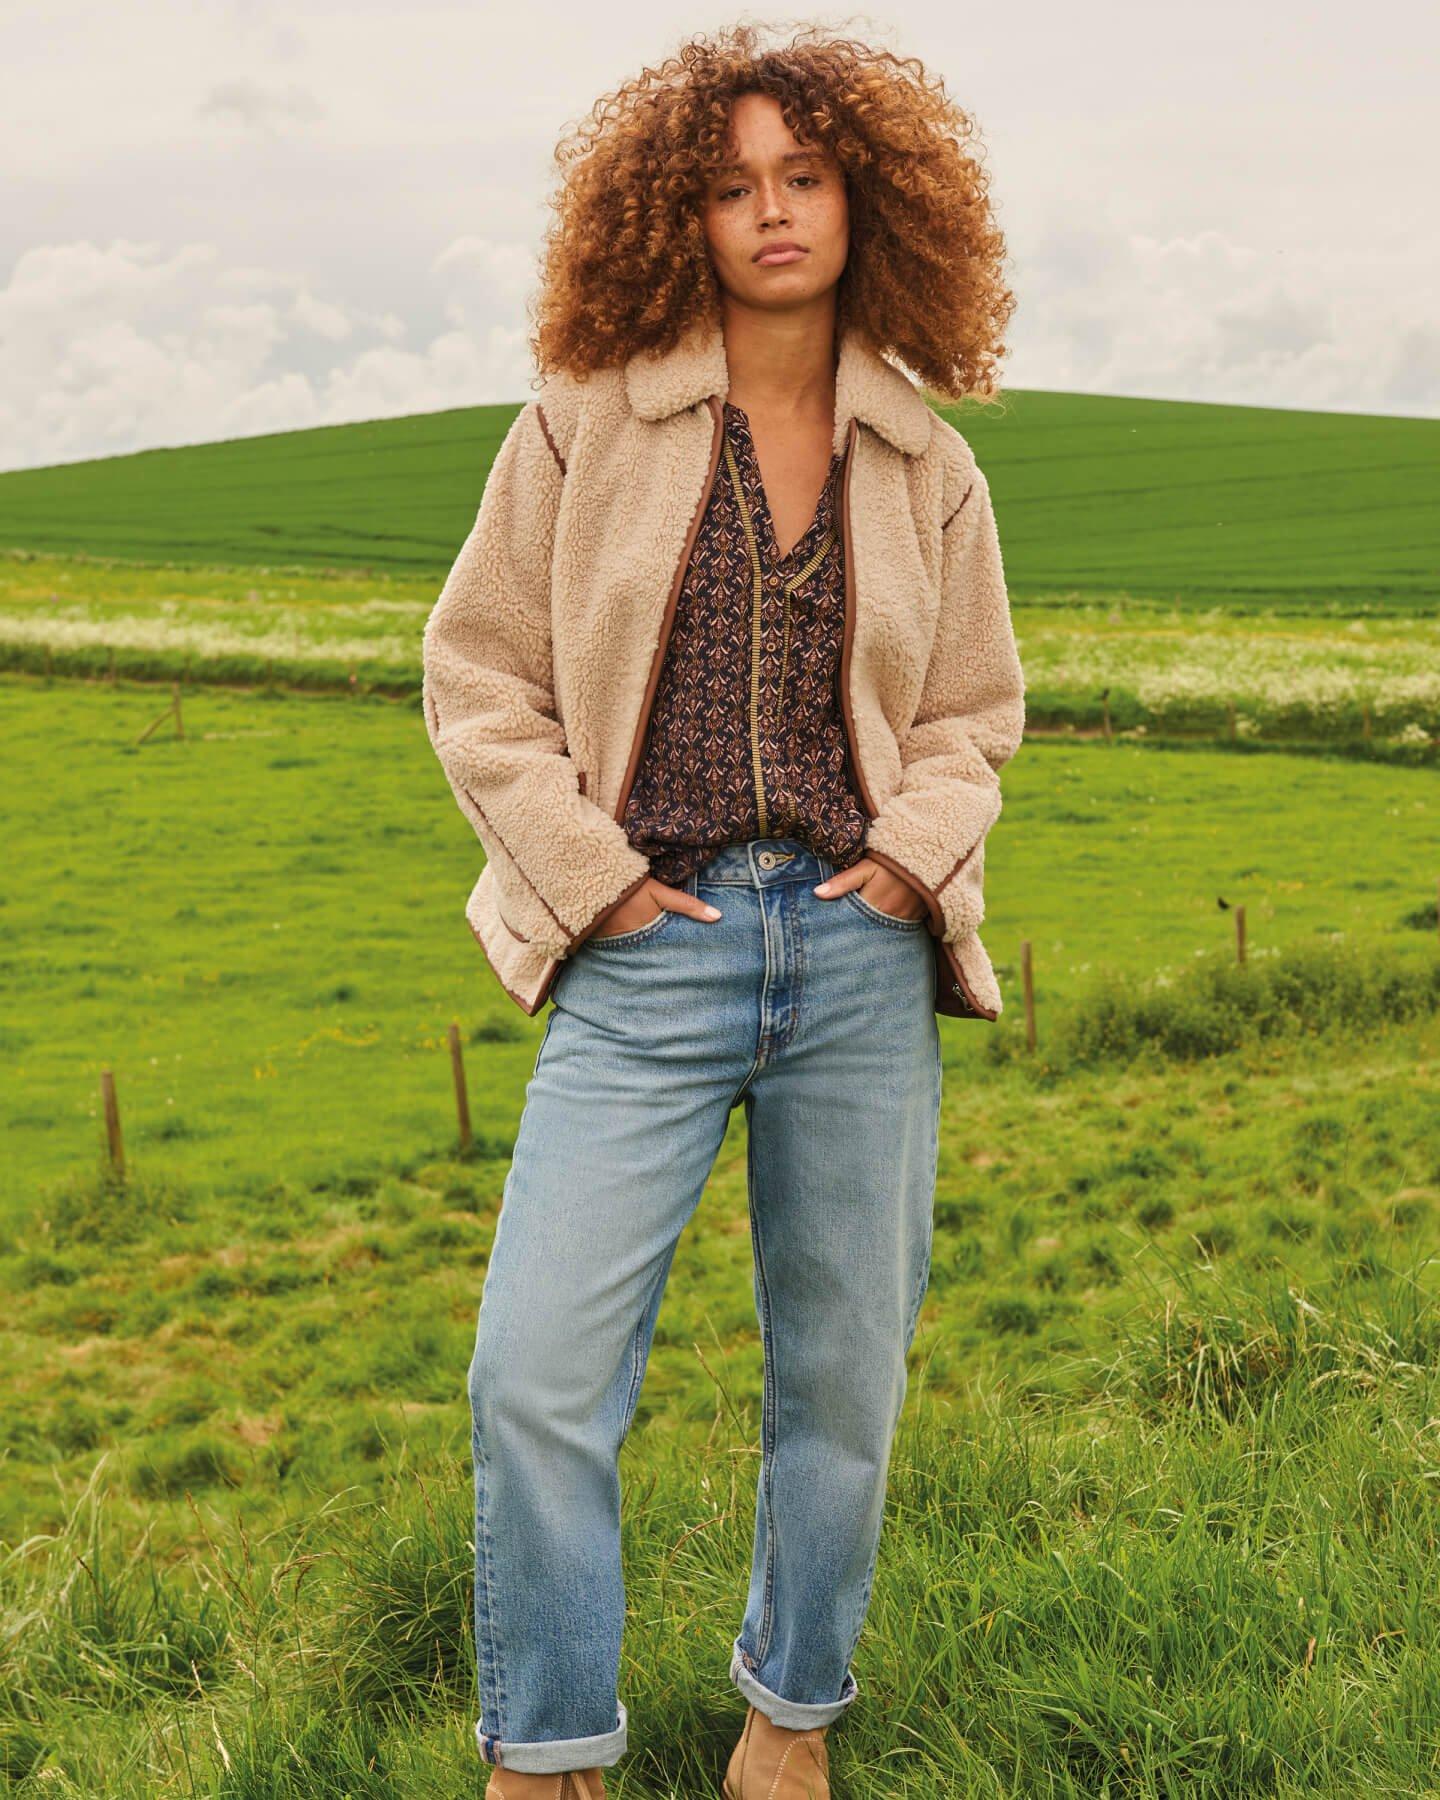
pixel 772 1763
pixel 574 1784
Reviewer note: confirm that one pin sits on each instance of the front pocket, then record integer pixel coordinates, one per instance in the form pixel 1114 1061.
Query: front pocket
pixel 893 920
pixel 620 940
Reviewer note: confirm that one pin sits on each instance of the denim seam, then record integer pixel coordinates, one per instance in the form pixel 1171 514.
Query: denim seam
pixel 769 1412
pixel 793 920
pixel 491 1675
pixel 918 1296
pixel 638 1349
pixel 758 1059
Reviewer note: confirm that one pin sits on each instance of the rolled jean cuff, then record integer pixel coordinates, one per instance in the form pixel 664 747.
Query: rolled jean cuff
pixel 554 1756
pixel 793 1715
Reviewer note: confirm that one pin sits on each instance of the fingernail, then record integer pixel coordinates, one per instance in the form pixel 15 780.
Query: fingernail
pixel 712 912
pixel 824 888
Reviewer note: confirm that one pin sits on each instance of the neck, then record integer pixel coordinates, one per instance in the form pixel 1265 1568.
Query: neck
pixel 782 364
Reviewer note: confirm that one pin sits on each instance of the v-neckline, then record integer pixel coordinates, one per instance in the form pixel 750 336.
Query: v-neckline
pixel 773 552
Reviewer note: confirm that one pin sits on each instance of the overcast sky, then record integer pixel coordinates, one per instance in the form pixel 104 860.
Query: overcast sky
pixel 237 217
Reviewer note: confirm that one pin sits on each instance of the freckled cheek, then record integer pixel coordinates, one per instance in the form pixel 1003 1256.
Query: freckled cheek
pixel 726 247
pixel 828 219
pixel 831 236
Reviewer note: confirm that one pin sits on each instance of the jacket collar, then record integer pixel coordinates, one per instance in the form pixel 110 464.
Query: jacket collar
pixel 867 387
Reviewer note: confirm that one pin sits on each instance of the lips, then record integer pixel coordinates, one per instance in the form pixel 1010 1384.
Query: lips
pixel 774 254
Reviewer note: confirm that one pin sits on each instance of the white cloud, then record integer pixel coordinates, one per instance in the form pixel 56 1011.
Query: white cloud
pixel 1205 316
pixel 259 106
pixel 321 316
pixel 105 349
pixel 285 215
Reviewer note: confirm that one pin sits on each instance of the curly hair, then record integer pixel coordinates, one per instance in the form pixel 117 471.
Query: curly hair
pixel 625 265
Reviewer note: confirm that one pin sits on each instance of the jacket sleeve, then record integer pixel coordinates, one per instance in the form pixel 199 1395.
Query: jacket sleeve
pixel 968 723
pixel 560 861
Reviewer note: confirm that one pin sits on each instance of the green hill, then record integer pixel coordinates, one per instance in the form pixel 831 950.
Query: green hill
pixel 1327 512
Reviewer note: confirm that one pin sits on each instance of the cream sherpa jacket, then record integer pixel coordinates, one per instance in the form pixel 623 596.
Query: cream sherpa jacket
pixel 544 648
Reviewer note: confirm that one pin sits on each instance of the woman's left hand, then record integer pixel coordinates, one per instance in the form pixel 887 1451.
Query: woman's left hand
pixel 884 890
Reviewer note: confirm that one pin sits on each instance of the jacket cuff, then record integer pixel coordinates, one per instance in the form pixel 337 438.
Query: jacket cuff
pixel 952 884
pixel 935 918
pixel 633 886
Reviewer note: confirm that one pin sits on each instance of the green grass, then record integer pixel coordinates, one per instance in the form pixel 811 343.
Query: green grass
pixel 1201 1569
pixel 1260 678
pixel 1161 1516
pixel 1314 512
pixel 260 928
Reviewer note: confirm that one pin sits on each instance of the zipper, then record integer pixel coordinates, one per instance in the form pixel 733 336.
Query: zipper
pixel 948 968
pixel 756 603
pixel 668 618
pixel 790 584
pixel 856 778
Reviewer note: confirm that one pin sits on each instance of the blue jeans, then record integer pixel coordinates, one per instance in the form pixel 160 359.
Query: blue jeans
pixel 819 1016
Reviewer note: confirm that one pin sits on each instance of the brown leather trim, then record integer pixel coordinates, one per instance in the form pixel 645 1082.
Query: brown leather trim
pixel 515 861
pixel 963 498
pixel 580 777
pixel 532 1010
pixel 605 913
pixel 949 976
pixel 936 919
pixel 857 778
pixel 633 765
pixel 519 936
pixel 547 981
pixel 652 682
pixel 961 861
pixel 544 426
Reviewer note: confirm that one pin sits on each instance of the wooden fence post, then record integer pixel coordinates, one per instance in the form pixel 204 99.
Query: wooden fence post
pixel 175 707
pixel 113 1139
pixel 1240 934
pixel 462 1099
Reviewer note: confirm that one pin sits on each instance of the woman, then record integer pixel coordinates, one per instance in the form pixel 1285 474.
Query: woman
pixel 723 677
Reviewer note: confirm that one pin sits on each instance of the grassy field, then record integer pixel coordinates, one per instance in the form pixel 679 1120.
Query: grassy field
pixel 260 927
pixel 1172 500
pixel 1164 1492
pixel 1162 1510
pixel 1273 676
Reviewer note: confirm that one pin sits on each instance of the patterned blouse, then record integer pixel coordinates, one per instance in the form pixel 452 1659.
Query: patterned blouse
pixel 746 737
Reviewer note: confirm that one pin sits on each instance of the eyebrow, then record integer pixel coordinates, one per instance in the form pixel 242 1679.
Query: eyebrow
pixel 790 156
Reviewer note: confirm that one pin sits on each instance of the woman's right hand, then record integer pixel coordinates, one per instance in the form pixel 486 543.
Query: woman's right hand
pixel 648 902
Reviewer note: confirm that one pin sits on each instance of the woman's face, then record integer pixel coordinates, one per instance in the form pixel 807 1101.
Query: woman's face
pixel 779 192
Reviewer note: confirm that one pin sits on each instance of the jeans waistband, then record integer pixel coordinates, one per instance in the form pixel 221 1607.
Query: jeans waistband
pixel 764 862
